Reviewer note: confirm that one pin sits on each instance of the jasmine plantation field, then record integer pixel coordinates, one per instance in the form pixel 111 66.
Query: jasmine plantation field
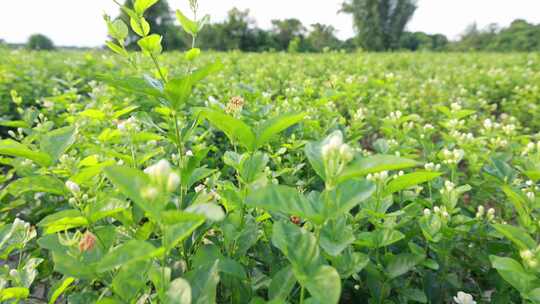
pixel 269 178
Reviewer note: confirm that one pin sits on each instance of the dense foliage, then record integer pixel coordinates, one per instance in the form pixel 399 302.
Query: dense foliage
pixel 267 178
pixel 520 36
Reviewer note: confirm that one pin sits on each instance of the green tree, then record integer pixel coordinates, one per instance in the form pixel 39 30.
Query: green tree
pixel 237 32
pixel 161 20
pixel 40 42
pixel 416 41
pixel 286 31
pixel 380 23
pixel 322 36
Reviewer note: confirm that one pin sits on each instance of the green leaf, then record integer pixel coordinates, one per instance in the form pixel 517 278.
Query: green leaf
pixel 235 129
pixel 517 235
pixel 349 263
pixel 253 166
pixel 314 156
pixel 374 164
pixel 127 253
pixel 130 182
pixel 300 248
pixel 14 236
pixel 513 273
pixel 179 292
pixel 298 245
pixel 191 27
pixel 274 126
pixel 41 183
pixel 198 175
pixel 212 212
pixel 14 293
pixel 519 202
pixel 336 236
pixel 151 45
pixel 131 84
pixel 142 5
pixel 324 284
pixel 203 281
pixel 107 207
pixel 178 226
pixel 283 199
pixel 207 255
pixel 282 284
pixel 55 143
pixel 60 289
pixel 402 263
pixel 379 238
pixel 12 148
pixel 117 29
pixel 63 220
pixel 130 279
pixel 192 54
pixel 348 195
pixel 94 114
pixel 116 48
pixel 534 295
pixel 408 180
pixel 140 26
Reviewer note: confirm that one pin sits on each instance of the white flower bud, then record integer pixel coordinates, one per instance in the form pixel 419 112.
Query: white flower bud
pixel 73 187
pixel 427 212
pixel 150 193
pixel 526 254
pixel 436 209
pixel 200 188
pixel 159 172
pixel 13 273
pixel 480 210
pixel 346 153
pixel 173 182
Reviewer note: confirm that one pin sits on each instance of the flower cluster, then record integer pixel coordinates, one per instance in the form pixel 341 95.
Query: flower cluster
pixel 395 116
pixel 162 179
pixel 432 167
pixel 530 257
pixel 481 211
pixel 381 176
pixel 530 148
pixel 464 298
pixel 441 211
pixel 452 157
pixel 335 147
pixel 235 105
pixel 128 125
pixel 530 190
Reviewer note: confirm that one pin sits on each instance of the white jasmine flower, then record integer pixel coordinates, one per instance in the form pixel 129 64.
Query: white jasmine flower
pixel 200 188
pixel 464 298
pixel 73 187
pixel 173 182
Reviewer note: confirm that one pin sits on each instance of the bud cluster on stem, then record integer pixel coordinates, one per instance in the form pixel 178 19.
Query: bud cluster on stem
pixel 336 155
pixel 162 179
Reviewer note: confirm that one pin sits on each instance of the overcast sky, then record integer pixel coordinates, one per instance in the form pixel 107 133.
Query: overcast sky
pixel 79 22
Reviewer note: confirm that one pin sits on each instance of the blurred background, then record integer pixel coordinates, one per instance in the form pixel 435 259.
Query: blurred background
pixel 297 26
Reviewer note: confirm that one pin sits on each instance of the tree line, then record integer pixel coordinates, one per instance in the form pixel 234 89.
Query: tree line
pixel 380 25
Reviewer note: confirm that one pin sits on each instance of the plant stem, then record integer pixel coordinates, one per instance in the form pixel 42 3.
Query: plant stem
pixel 302 295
